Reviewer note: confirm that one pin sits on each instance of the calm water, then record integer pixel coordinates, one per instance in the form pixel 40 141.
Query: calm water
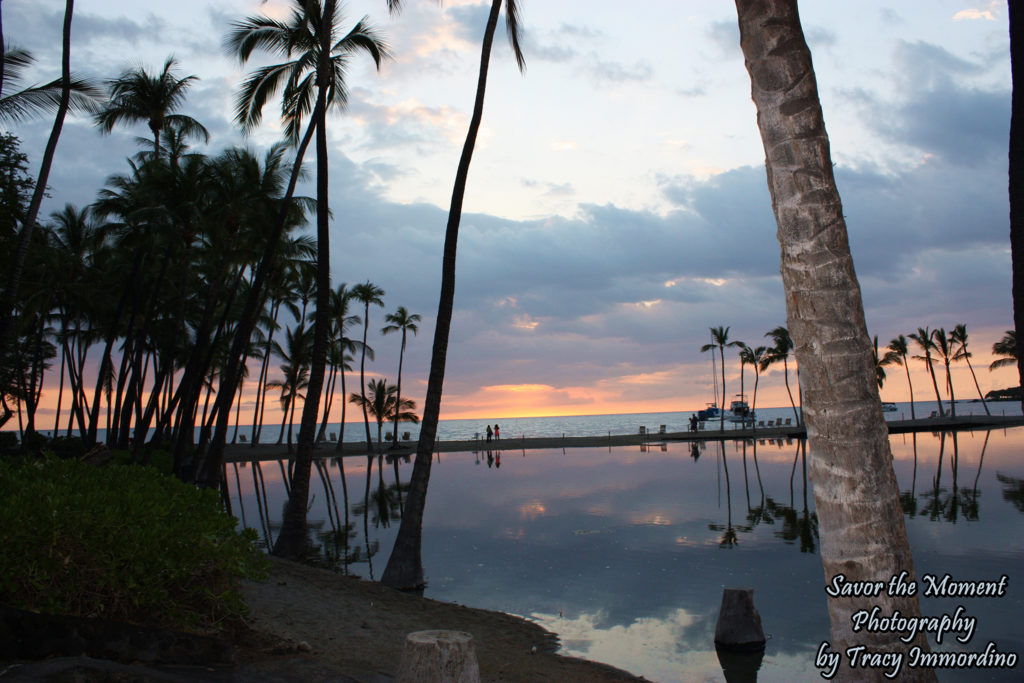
pixel 594 425
pixel 624 552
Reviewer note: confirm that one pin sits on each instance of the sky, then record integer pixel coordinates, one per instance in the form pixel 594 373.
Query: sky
pixel 617 206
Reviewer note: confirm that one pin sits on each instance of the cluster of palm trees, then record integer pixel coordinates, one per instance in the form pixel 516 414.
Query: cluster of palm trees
pixel 186 255
pixel 760 358
pixel 936 348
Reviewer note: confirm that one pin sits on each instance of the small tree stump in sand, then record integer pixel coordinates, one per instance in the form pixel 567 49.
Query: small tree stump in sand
pixel 438 657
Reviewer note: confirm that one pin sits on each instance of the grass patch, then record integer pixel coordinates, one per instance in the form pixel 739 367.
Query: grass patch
pixel 122 542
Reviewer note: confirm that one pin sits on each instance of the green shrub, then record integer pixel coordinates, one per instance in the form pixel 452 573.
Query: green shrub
pixel 67 446
pixel 121 542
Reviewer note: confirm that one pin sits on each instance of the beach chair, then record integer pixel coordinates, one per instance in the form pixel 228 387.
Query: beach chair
pixel 760 423
pixel 789 421
pixel 661 431
pixel 771 423
pixel 333 436
pixel 405 436
pixel 643 430
pixel 241 437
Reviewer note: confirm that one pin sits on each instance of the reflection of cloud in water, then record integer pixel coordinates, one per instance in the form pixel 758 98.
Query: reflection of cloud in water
pixel 676 647
pixel 655 646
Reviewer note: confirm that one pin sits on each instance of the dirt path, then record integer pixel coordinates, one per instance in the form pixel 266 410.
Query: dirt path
pixel 358 628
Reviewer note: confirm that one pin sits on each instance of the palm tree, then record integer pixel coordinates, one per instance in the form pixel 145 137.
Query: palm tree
pixel 13 283
pixel 296 354
pixel 338 354
pixel 926 342
pixel 383 404
pixel 898 346
pixel 315 72
pixel 944 352
pixel 783 346
pixel 959 336
pixel 719 340
pixel 756 357
pixel 366 294
pixel 1007 348
pixel 402 320
pixel 137 95
pixel 37 100
pixel 851 468
pixel 888 358
pixel 405 566
pixel 1016 176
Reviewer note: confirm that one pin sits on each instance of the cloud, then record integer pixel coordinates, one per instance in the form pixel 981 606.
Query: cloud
pixel 935 112
pixel 989 13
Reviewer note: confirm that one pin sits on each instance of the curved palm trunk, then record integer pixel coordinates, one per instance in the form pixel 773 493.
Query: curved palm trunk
pixel 405 566
pixel 341 425
pixel 721 411
pixel 1016 185
pixel 10 300
pixel 949 387
pixel 292 542
pixel 935 383
pixel 970 367
pixel 785 375
pixel 855 487
pixel 362 380
pixel 906 367
pixel 398 390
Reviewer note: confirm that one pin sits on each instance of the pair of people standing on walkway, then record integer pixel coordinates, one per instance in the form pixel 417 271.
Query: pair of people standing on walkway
pixel 496 432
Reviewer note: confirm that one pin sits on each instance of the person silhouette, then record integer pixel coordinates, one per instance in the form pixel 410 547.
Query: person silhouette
pixel 497 432
pixel 489 433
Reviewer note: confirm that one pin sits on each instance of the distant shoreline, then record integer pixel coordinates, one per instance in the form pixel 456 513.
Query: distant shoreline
pixel 243 452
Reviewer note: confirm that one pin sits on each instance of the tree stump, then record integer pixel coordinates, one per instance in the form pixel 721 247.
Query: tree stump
pixel 739 624
pixel 438 657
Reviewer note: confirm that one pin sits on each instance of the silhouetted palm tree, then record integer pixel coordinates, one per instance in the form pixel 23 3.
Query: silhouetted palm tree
pixel 898 346
pixel 756 357
pixel 137 95
pixel 924 340
pixel 782 347
pixel 402 320
pixel 405 566
pixel 959 337
pixel 888 358
pixel 383 404
pixel 944 352
pixel 1007 348
pixel 719 340
pixel 366 293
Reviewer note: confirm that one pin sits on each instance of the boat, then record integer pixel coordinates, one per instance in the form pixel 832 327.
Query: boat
pixel 888 407
pixel 710 413
pixel 740 411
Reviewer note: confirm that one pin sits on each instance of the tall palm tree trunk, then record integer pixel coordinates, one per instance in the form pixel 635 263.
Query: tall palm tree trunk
pixel 362 380
pixel 721 410
pixel 935 383
pixel 292 541
pixel 855 488
pixel 10 300
pixel 398 389
pixel 405 566
pixel 910 385
pixel 984 404
pixel 1016 185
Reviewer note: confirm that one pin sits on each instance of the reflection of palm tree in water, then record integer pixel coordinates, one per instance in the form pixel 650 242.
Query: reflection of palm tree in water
pixel 934 505
pixel 908 499
pixel 729 536
pixel 803 525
